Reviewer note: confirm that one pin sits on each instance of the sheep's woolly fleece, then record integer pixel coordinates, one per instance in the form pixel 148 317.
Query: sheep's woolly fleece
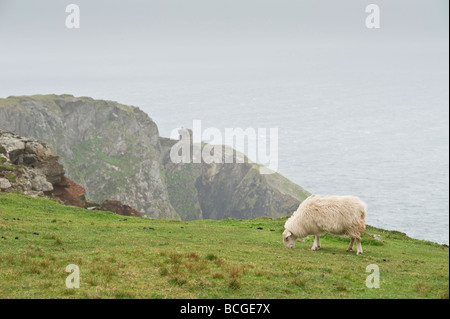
pixel 341 215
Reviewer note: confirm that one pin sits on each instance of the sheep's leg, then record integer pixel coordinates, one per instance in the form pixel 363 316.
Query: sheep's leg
pixel 316 244
pixel 352 242
pixel 359 247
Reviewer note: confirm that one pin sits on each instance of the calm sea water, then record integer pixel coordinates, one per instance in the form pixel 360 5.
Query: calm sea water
pixel 347 125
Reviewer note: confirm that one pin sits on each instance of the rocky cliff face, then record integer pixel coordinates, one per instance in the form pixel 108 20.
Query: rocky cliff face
pixel 115 152
pixel 216 191
pixel 28 166
pixel 112 150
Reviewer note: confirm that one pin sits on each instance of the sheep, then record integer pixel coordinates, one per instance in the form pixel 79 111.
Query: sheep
pixel 340 215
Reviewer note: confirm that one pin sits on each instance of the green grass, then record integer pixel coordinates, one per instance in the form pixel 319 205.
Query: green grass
pixel 126 257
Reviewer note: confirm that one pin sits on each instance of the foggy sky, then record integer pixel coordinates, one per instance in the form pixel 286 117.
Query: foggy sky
pixel 130 37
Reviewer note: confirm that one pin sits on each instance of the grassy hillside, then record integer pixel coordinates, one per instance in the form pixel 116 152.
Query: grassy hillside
pixel 130 257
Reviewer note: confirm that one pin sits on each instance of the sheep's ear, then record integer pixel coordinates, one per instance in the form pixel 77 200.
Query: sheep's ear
pixel 288 233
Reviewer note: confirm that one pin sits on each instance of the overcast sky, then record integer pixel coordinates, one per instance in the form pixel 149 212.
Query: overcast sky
pixel 130 37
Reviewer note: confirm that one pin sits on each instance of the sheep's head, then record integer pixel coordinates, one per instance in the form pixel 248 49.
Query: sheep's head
pixel 289 239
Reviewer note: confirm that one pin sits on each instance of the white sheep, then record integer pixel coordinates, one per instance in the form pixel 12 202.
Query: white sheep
pixel 340 215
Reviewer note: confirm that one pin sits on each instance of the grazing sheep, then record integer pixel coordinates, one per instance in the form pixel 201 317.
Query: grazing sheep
pixel 340 215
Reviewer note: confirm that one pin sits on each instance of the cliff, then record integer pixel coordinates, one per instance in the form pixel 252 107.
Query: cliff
pixel 112 150
pixel 115 152
pixel 216 191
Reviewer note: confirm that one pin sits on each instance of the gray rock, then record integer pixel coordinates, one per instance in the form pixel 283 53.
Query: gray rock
pixel 29 163
pixel 40 184
pixel 14 146
pixel 4 184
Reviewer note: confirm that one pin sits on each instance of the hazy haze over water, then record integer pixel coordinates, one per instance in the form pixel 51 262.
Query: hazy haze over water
pixel 359 111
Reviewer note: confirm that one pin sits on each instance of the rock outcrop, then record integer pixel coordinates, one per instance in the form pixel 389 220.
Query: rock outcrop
pixel 70 193
pixel 114 151
pixel 117 207
pixel 28 166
